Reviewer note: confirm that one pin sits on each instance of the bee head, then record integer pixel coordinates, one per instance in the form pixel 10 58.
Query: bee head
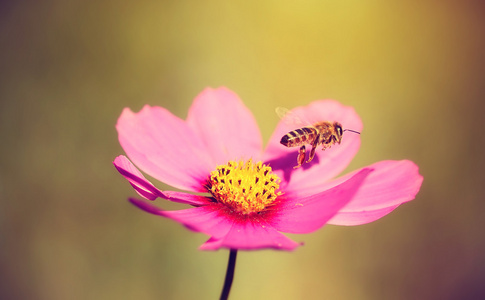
pixel 339 131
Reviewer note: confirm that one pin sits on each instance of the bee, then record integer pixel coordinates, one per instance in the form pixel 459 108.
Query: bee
pixel 325 133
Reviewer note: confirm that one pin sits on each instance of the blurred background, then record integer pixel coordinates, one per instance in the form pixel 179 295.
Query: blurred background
pixel 413 70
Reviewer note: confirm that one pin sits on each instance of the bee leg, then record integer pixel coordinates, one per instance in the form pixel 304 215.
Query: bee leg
pixel 301 157
pixel 327 144
pixel 312 153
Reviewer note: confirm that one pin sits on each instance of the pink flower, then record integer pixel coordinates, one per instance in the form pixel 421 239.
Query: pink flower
pixel 250 195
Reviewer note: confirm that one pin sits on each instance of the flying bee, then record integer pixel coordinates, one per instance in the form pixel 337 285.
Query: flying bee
pixel 326 133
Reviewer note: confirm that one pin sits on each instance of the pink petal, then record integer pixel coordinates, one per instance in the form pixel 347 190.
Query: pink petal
pixel 226 230
pixel 391 184
pixel 225 125
pixel 304 215
pixel 251 236
pixel 360 217
pixel 148 191
pixel 205 219
pixel 326 164
pixel 184 198
pixel 163 146
pixel 141 185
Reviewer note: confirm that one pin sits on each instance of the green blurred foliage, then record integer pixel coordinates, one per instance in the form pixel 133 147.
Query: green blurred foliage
pixel 413 70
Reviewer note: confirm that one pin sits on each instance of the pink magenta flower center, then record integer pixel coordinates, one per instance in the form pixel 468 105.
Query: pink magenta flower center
pixel 244 186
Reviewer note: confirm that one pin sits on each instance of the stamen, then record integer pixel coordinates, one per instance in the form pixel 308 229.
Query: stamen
pixel 244 186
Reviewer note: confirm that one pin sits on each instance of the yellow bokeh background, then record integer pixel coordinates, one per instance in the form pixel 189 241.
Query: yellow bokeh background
pixel 413 70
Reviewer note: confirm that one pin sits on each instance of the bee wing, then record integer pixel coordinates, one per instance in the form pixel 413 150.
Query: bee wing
pixel 291 118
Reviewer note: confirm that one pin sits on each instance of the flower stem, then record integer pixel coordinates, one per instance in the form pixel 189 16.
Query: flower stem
pixel 231 265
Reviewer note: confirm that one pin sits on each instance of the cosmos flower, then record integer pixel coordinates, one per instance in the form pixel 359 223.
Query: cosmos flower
pixel 244 197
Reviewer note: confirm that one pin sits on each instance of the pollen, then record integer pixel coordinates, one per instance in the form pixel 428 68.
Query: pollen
pixel 245 187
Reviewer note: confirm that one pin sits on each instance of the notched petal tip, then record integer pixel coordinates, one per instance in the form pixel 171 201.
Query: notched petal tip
pixel 144 135
pixel 392 184
pixel 225 125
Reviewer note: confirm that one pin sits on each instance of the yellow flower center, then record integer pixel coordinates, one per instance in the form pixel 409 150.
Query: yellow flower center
pixel 244 186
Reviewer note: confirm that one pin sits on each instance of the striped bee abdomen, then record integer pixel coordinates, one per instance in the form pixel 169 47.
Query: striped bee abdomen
pixel 298 137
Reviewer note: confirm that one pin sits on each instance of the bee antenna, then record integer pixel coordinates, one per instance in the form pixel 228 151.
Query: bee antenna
pixel 352 131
